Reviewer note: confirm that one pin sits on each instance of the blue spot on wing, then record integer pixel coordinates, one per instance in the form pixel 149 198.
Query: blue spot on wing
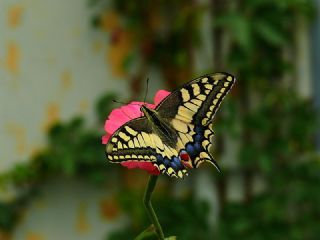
pixel 166 162
pixel 198 129
pixel 175 160
pixel 198 137
pixel 177 163
pixel 194 148
pixel 174 166
pixel 191 151
pixel 159 159
pixel 197 146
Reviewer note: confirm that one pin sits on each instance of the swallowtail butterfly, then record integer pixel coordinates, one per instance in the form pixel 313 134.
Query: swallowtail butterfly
pixel 176 135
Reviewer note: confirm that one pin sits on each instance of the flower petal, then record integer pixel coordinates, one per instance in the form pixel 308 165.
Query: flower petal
pixel 118 117
pixel 160 95
pixel 111 126
pixel 105 138
pixel 132 110
pixel 142 165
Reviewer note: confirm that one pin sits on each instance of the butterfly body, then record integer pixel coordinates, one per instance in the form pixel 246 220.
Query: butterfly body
pixel 160 126
pixel 176 135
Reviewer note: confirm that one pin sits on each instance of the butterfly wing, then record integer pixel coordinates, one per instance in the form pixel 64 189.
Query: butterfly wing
pixel 190 110
pixel 127 142
pixel 136 141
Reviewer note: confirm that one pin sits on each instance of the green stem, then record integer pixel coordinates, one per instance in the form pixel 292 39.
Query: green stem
pixel 147 203
pixel 147 234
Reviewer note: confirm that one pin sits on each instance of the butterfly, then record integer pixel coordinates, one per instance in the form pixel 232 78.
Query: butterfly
pixel 176 135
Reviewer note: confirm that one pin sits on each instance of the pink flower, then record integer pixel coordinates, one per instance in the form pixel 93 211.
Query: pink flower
pixel 120 116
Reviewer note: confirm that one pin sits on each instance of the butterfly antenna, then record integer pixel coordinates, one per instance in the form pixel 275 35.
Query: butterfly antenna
pixel 127 103
pixel 115 101
pixel 145 96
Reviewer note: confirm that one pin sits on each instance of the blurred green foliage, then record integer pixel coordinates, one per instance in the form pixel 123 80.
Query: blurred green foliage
pixel 63 155
pixel 185 217
pixel 273 125
pixel 283 125
pixel 8 216
pixel 73 151
pixel 288 209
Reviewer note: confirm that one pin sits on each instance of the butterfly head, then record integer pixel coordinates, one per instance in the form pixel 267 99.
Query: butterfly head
pixel 148 112
pixel 143 108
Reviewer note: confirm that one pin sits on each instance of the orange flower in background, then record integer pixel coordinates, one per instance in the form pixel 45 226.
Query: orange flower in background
pixel 13 56
pixel 109 21
pixel 119 50
pixel 15 15
pixel 120 42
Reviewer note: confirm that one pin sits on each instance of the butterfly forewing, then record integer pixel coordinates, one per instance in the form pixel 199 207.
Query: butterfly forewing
pixel 197 101
pixel 191 109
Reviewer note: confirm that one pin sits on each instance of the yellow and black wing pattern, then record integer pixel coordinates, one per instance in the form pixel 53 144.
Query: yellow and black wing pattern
pixel 179 137
pixel 137 141
pixel 194 105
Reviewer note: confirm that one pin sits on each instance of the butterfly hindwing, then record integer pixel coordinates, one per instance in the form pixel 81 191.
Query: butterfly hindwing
pixel 136 141
pixel 130 142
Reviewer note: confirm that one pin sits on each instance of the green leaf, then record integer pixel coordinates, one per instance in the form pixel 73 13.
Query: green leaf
pixel 239 27
pixel 104 106
pixel 270 33
pixel 8 216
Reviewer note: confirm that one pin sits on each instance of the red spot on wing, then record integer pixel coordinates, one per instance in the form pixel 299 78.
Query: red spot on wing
pixel 184 156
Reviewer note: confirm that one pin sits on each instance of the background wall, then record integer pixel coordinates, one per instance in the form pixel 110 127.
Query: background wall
pixel 52 67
